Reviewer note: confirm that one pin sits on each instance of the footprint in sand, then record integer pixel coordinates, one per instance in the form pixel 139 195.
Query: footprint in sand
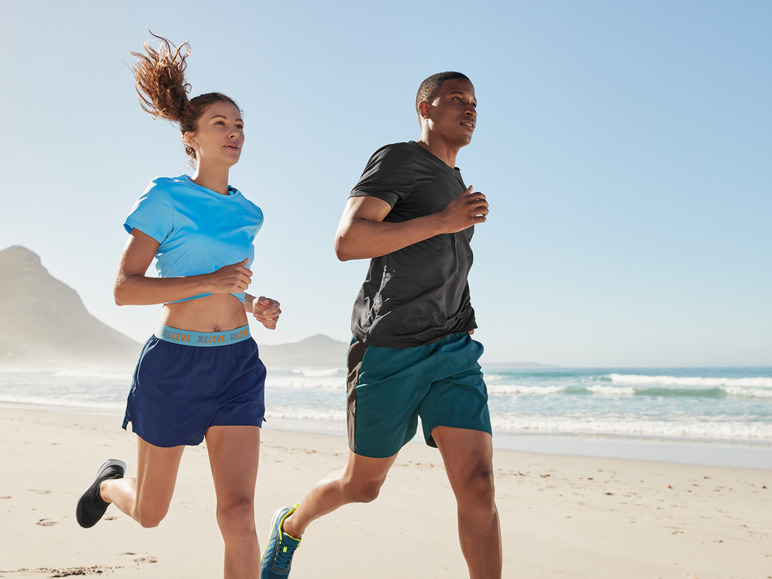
pixel 140 559
pixel 146 560
pixel 77 571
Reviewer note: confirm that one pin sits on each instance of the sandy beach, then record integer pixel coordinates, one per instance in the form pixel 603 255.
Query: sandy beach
pixel 561 516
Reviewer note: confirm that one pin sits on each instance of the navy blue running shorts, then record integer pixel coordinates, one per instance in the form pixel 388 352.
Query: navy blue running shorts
pixel 186 382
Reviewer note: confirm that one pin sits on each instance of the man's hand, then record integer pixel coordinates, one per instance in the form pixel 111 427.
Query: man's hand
pixel 466 210
pixel 266 311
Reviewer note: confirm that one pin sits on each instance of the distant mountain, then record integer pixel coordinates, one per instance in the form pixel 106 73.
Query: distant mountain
pixel 316 351
pixel 43 321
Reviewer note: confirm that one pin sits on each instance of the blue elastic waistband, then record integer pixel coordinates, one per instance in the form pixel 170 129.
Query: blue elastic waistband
pixel 204 339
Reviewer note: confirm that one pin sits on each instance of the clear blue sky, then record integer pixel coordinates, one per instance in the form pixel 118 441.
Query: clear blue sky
pixel 625 148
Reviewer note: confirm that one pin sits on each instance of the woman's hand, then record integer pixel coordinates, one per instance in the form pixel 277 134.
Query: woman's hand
pixel 266 311
pixel 234 278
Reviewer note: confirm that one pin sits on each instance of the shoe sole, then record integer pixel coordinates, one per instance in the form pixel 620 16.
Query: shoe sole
pixel 108 463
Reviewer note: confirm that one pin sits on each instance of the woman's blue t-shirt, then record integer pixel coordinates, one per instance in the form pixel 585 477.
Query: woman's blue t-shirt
pixel 199 230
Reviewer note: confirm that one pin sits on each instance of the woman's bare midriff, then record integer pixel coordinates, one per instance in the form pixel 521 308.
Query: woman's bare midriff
pixel 215 313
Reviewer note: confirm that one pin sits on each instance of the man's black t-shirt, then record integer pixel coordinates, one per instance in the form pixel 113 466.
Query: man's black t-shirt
pixel 419 294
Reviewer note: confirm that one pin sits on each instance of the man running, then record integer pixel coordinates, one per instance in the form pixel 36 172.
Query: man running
pixel 412 354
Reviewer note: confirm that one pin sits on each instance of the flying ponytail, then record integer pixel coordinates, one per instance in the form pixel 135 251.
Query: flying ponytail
pixel 163 90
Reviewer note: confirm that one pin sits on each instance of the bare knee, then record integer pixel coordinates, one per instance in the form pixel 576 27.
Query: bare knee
pixel 236 517
pixel 362 492
pixel 477 487
pixel 148 510
pixel 149 517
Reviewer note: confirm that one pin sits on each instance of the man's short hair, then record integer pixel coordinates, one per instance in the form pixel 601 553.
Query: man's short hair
pixel 429 88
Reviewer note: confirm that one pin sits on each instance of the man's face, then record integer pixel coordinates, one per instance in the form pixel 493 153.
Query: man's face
pixel 452 115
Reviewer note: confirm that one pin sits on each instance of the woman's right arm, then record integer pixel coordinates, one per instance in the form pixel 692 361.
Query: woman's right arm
pixel 133 287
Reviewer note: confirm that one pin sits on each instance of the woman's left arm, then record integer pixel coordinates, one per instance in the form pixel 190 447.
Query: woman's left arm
pixel 265 310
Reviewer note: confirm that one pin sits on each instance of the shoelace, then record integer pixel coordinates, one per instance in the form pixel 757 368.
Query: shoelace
pixel 283 555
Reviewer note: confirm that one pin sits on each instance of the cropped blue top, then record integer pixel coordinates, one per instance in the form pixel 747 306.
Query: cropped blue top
pixel 199 230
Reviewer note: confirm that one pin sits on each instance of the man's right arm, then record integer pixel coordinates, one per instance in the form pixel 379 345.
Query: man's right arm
pixel 362 233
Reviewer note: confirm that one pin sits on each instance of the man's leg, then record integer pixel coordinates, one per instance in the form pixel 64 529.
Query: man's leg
pixel 382 416
pixel 359 481
pixel 468 458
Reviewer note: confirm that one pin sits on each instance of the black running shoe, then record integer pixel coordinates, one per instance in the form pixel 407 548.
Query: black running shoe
pixel 91 507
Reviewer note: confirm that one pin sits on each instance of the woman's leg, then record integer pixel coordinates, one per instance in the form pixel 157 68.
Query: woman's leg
pixel 146 498
pixel 233 455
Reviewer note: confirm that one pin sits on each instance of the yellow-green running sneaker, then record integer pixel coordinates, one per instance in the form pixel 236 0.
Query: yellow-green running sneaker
pixel 277 557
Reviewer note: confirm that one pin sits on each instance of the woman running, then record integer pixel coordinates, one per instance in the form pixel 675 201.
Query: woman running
pixel 199 376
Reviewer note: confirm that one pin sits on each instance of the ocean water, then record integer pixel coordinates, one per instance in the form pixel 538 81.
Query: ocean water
pixel 717 416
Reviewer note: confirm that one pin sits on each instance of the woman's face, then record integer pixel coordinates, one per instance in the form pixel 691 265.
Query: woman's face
pixel 220 135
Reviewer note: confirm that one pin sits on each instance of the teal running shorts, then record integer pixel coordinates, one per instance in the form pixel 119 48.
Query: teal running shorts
pixel 389 388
